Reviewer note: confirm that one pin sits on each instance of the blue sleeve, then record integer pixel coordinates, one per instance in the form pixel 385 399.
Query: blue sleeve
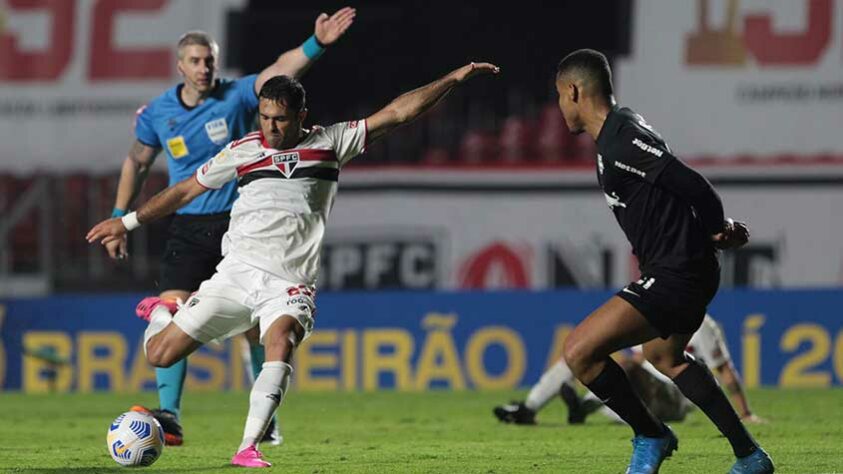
pixel 145 128
pixel 246 88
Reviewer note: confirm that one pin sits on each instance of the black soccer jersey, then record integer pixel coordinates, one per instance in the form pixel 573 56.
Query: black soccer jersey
pixel 662 227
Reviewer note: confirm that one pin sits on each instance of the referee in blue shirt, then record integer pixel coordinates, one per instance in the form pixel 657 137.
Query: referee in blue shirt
pixel 192 122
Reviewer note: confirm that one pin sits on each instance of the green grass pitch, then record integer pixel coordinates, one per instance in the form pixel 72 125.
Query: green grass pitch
pixel 435 432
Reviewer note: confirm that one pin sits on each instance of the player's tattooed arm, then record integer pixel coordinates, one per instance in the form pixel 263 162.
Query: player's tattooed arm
pixel 410 105
pixel 164 203
pixel 295 62
pixel 170 200
pixel 134 172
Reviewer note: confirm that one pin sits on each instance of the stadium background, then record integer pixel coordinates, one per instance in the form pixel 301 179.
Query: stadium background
pixel 462 248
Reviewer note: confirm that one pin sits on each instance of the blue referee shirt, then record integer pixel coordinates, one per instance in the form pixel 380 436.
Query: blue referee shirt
pixel 192 135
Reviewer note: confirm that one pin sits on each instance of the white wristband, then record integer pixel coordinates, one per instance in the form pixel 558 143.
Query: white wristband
pixel 130 221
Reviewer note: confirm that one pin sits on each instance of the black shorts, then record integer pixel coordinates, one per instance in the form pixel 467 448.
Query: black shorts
pixel 673 303
pixel 193 250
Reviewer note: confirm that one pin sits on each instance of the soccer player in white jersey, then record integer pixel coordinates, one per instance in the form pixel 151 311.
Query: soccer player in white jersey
pixel 288 180
pixel 659 393
pixel 191 122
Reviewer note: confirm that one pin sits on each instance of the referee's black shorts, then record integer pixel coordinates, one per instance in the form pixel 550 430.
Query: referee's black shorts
pixel 674 303
pixel 193 250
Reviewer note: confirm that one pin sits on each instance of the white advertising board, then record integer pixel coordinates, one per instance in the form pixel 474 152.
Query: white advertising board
pixel 727 78
pixel 541 229
pixel 73 73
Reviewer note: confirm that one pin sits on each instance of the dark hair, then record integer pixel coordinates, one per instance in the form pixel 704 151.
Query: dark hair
pixel 591 66
pixel 284 90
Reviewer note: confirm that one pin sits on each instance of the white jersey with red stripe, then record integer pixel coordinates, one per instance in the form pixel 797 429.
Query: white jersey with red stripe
pixel 709 344
pixel 278 220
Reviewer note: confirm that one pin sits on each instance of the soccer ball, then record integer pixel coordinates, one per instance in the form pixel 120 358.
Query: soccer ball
pixel 135 439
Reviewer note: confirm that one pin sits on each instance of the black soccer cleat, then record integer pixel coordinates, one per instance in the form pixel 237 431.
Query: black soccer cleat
pixel 169 423
pixel 272 435
pixel 576 410
pixel 515 412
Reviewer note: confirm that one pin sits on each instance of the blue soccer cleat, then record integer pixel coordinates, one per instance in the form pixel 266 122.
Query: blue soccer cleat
pixel 648 453
pixel 758 462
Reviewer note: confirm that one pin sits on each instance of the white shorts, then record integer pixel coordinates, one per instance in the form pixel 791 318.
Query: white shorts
pixel 239 296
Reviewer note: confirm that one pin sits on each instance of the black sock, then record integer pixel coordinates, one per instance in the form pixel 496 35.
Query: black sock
pixel 617 393
pixel 697 383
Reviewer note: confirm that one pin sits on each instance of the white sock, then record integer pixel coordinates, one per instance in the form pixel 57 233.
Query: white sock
pixel 158 320
pixel 266 395
pixel 646 365
pixel 590 396
pixel 548 386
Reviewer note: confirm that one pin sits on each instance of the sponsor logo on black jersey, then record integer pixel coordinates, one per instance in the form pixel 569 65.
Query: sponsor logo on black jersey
pixel 648 148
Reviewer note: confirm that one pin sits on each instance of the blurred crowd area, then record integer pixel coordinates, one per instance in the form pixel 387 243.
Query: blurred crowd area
pixel 735 67
pixel 392 48
pixel 396 47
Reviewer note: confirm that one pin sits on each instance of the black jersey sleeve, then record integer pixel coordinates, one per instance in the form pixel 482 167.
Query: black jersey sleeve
pixel 643 155
pixel 691 186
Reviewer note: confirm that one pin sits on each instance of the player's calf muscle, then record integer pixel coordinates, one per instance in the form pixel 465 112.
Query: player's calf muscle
pixel 165 349
pixel 158 354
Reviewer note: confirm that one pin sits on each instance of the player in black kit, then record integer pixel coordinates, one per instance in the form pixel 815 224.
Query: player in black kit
pixel 674 220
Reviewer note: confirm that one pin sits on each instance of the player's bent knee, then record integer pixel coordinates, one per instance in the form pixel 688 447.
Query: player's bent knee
pixel 576 354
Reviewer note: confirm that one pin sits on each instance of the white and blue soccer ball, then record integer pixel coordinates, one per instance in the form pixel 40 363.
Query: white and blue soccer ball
pixel 135 439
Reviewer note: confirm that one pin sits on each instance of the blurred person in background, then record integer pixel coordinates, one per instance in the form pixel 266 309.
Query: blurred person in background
pixel 659 393
pixel 674 220
pixel 288 179
pixel 192 122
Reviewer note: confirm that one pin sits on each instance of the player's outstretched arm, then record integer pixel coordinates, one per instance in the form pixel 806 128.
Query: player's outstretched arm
pixel 135 169
pixel 410 105
pixel 296 62
pixel 164 203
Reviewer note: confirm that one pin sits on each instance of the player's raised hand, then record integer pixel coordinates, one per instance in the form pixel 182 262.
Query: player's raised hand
pixel 117 249
pixel 107 231
pixel 474 69
pixel 329 28
pixel 735 234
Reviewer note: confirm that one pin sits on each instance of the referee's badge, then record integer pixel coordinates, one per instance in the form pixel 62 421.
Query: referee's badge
pixel 177 147
pixel 217 131
pixel 286 162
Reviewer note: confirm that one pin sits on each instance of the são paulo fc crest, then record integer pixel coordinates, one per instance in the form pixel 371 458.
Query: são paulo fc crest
pixel 286 162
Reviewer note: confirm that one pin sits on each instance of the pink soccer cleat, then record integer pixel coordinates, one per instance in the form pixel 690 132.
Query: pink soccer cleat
pixel 249 457
pixel 148 304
